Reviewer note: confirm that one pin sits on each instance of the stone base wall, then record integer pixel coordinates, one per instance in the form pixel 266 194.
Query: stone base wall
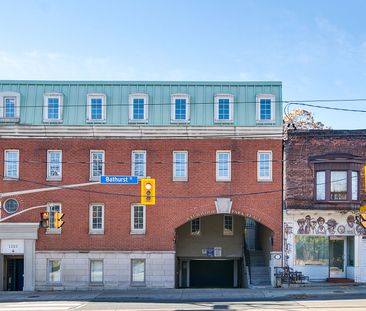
pixel 75 270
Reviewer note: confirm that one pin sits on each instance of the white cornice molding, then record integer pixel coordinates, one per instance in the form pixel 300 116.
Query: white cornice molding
pixel 141 132
pixel 19 230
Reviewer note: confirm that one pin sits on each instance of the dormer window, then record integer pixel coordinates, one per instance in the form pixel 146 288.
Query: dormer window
pixel 52 109
pixel 96 108
pixel 9 106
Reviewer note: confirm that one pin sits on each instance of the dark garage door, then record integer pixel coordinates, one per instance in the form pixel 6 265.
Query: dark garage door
pixel 211 273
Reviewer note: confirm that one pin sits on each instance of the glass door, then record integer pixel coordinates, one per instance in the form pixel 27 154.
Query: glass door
pixel 337 267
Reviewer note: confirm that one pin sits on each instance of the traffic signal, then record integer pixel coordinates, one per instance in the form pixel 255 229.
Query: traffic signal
pixel 57 222
pixel 44 222
pixel 361 219
pixel 148 191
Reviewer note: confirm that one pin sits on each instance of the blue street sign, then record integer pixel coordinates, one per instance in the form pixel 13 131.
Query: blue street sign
pixel 119 180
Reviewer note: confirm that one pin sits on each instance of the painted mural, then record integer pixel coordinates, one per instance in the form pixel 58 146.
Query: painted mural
pixel 328 226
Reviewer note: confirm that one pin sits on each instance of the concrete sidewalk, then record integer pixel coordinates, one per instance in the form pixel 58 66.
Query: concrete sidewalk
pixel 314 291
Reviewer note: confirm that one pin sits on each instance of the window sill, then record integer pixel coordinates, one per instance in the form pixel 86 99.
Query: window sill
pixel 96 284
pixel 53 231
pixel 138 121
pixel 52 121
pixel 223 180
pixel 264 180
pixel 180 121
pixel 11 178
pixel 96 232
pixel 10 120
pixel 264 122
pixel 176 179
pixel 223 121
pixel 138 284
pixel 138 232
pixel 94 178
pixel 96 121
pixel 53 179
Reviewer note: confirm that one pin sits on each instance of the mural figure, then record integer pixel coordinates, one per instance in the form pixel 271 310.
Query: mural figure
pixel 307 224
pixel 313 226
pixel 360 230
pixel 350 227
pixel 332 224
pixel 301 223
pixel 321 229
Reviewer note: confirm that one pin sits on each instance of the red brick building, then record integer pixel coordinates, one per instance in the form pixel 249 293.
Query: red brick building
pixel 214 149
pixel 324 192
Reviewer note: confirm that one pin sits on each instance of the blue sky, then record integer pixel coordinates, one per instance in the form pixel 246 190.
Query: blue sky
pixel 316 48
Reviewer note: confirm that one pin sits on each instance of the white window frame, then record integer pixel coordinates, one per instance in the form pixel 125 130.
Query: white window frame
pixel 200 227
pixel 47 96
pixel 89 107
pixel 91 177
pixel 16 96
pixel 53 230
pixel 133 96
pixel 91 229
pixel 133 162
pixel 138 283
pixel 261 178
pixel 218 177
pixel 230 97
pixel 49 177
pixel 90 271
pixel 273 106
pixel 180 178
pixel 133 230
pixel 224 230
pixel 174 97
pixel 6 176
pixel 49 270
pixel 6 201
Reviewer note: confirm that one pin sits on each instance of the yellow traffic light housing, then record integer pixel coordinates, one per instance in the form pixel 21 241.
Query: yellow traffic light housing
pixel 361 217
pixel 45 221
pixel 57 222
pixel 148 191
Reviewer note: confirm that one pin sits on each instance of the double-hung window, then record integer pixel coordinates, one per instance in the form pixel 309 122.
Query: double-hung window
pixel 223 165
pixel 138 107
pixel 265 108
pixel 224 108
pixel 138 219
pixel 228 225
pixel 96 164
pixel 96 108
pixel 180 165
pixel 52 109
pixel 196 226
pixel 138 163
pixel 54 164
pixel 264 166
pixel 96 218
pixel 9 106
pixel 52 209
pixel 11 164
pixel 180 108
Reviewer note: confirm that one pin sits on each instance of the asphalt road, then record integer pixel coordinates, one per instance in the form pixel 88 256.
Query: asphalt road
pixel 354 304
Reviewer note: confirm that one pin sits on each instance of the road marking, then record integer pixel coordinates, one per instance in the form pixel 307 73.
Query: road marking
pixel 39 306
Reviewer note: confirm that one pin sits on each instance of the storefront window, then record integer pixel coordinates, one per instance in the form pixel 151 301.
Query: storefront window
pixel 311 250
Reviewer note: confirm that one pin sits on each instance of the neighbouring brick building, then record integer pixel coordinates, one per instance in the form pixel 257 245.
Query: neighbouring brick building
pixel 324 182
pixel 214 148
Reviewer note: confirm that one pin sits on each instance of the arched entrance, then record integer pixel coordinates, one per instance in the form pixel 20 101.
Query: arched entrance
pixel 222 250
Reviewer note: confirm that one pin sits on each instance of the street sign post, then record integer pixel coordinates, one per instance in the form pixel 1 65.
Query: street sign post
pixel 119 180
